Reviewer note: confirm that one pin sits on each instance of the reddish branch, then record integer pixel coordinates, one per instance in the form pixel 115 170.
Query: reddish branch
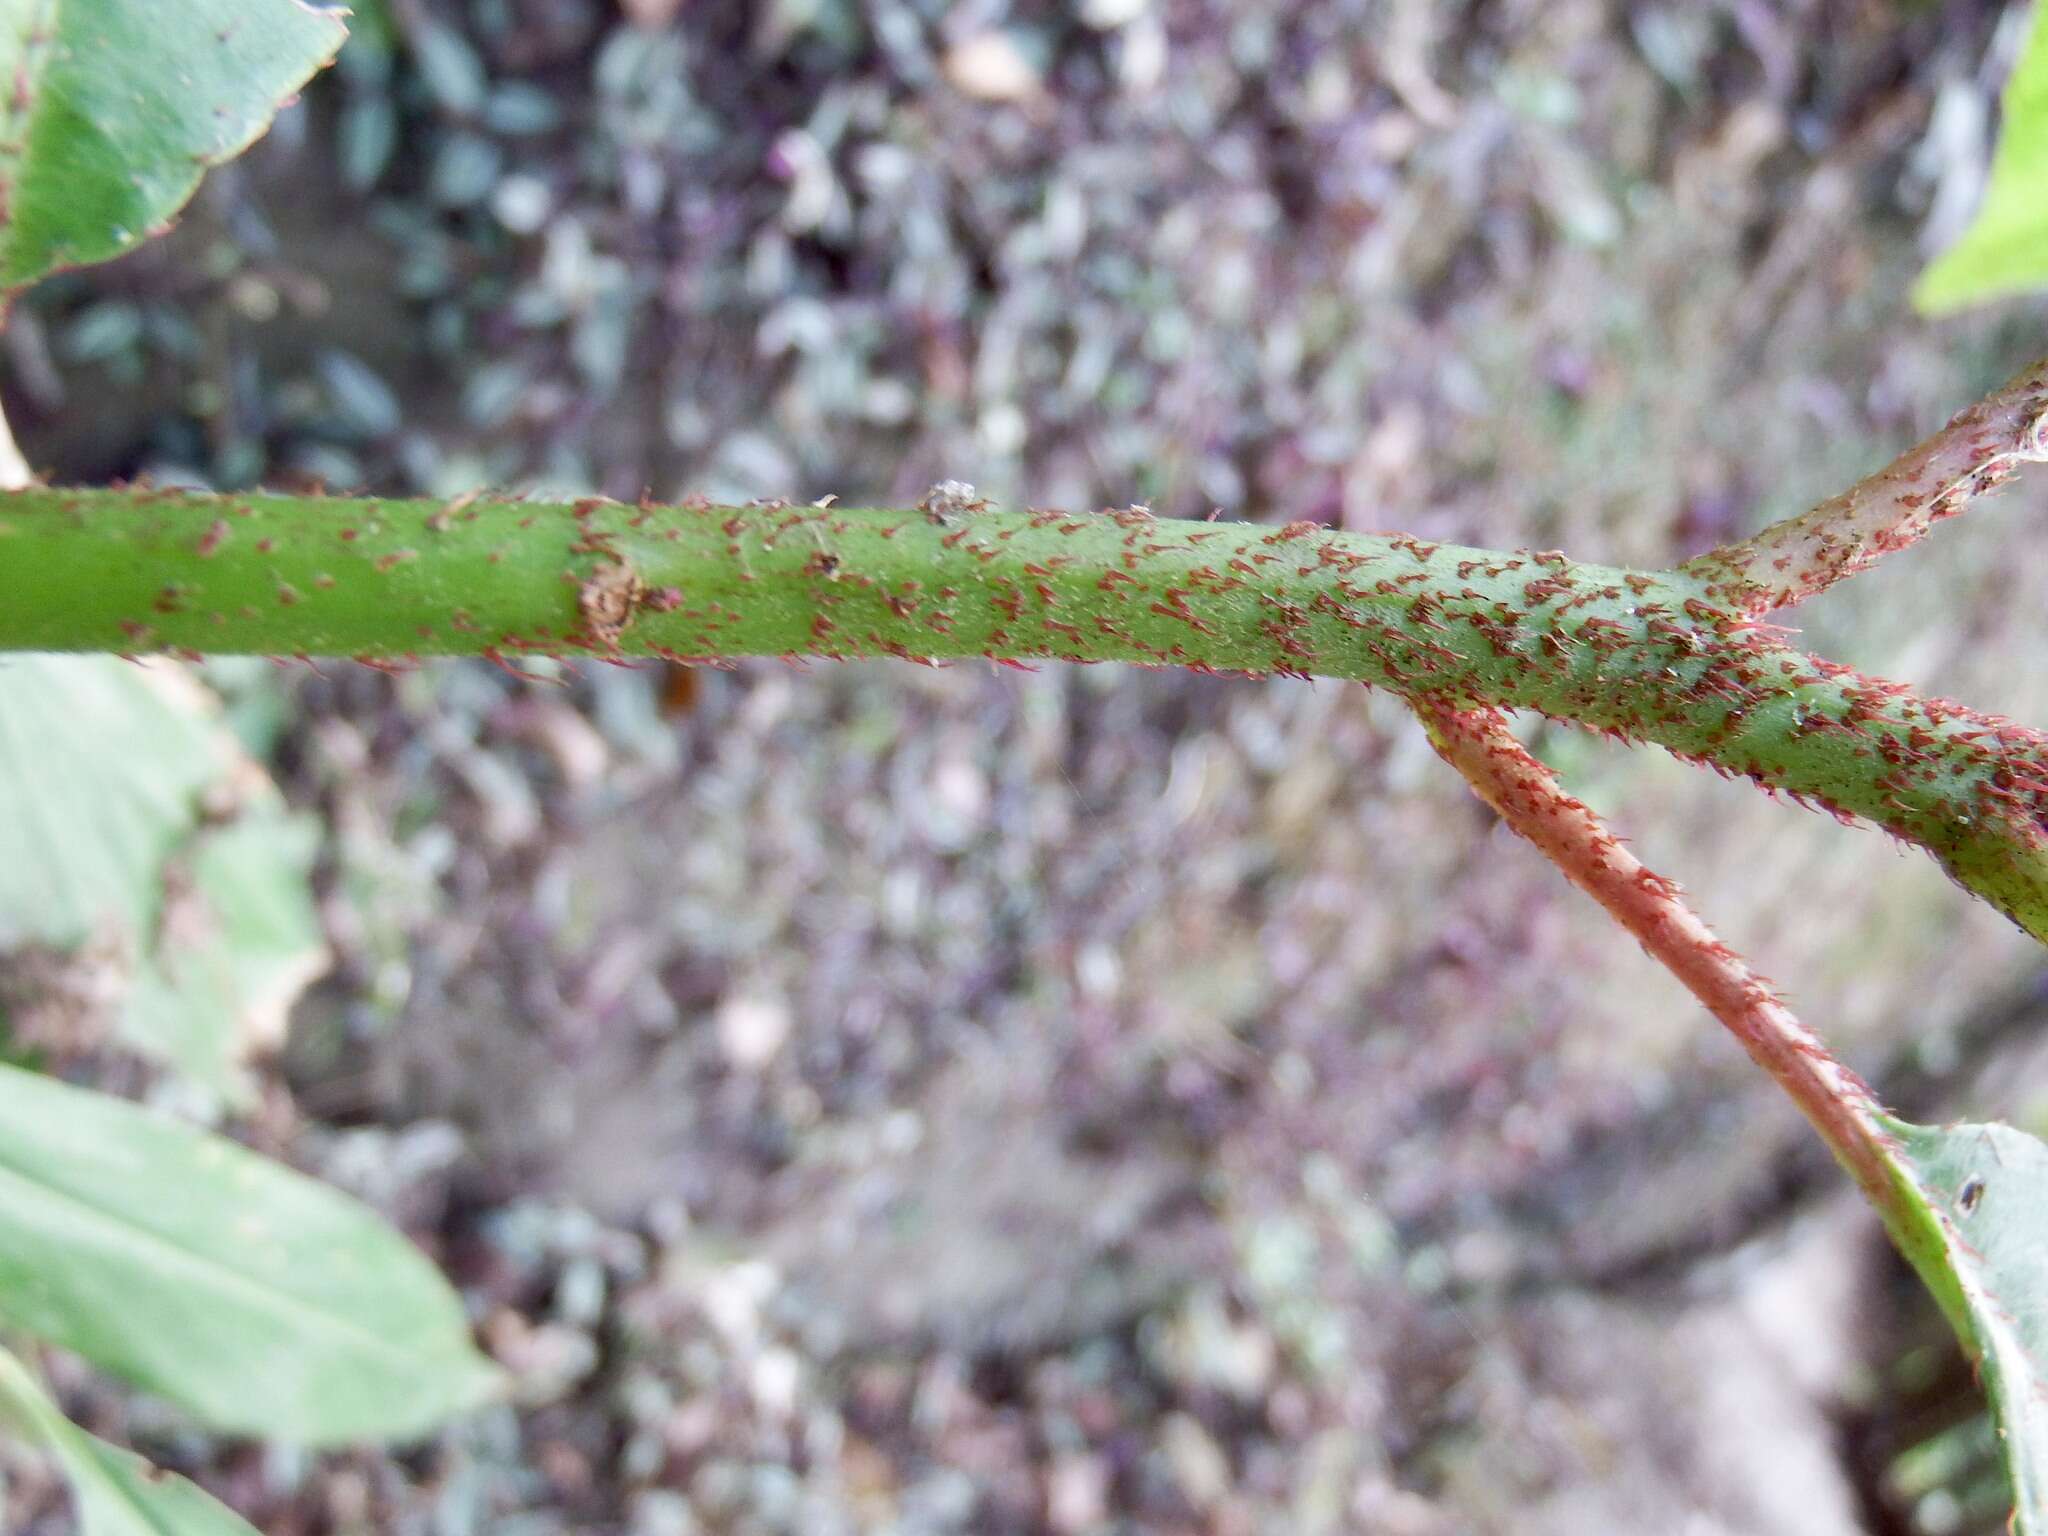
pixel 1478 743
pixel 1970 457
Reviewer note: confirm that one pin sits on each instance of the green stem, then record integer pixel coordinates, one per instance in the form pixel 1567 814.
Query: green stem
pixel 1646 656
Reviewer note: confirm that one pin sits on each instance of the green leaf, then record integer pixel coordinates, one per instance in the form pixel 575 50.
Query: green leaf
pixel 130 818
pixel 2005 250
pixel 115 1492
pixel 101 775
pixel 261 1301
pixel 115 108
pixel 239 942
pixel 1974 1222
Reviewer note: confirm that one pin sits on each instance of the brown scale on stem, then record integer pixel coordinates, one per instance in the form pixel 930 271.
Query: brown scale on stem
pixel 606 600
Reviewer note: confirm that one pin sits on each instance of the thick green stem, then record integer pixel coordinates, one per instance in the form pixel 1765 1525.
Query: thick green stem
pixel 1647 656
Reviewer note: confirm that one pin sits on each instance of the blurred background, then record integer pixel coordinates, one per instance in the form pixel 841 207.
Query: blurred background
pixel 859 1099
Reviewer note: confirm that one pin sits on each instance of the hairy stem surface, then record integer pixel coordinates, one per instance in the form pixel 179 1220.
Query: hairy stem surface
pixel 1646 656
pixel 1528 797
pixel 1970 457
pixel 1933 1187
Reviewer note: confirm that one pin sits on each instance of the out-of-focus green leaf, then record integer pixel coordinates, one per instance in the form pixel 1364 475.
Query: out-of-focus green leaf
pixel 368 135
pixel 130 818
pixel 518 108
pixel 365 403
pixel 2005 250
pixel 1973 1219
pixel 450 67
pixel 370 25
pixel 238 943
pixel 114 1492
pixel 102 770
pixel 263 1302
pixel 118 107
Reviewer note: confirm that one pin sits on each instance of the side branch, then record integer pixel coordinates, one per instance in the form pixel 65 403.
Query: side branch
pixel 1528 797
pixel 1643 656
pixel 1973 455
